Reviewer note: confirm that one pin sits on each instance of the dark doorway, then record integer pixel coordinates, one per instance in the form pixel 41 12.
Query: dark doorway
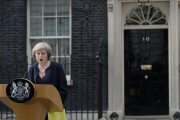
pixel 146 90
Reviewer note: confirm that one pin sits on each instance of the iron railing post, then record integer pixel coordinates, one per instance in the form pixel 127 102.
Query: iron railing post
pixel 100 83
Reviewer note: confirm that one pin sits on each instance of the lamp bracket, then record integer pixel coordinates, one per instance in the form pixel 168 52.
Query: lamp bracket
pixel 142 3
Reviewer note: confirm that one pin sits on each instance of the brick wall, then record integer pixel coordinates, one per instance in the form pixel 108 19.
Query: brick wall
pixel 12 37
pixel 89 24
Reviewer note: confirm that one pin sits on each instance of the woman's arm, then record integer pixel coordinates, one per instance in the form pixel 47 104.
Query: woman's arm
pixel 62 83
pixel 29 77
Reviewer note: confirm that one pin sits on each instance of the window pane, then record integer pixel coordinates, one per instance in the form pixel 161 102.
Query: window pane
pixel 53 58
pixel 62 7
pixel 51 42
pixel 63 45
pixel 63 26
pixel 49 27
pixel 49 8
pixel 35 27
pixel 36 8
pixel 65 61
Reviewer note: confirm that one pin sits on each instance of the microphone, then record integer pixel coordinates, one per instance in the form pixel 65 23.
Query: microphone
pixel 25 74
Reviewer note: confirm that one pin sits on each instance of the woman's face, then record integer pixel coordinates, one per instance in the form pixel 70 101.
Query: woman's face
pixel 41 56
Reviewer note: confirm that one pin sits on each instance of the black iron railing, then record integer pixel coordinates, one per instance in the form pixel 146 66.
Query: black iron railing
pixel 99 59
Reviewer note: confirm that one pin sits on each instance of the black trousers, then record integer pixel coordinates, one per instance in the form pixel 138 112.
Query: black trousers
pixel 46 118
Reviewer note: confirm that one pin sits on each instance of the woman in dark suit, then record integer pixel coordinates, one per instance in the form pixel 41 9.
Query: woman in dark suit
pixel 47 72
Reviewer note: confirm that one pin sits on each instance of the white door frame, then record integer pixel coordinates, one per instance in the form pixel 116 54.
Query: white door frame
pixel 116 59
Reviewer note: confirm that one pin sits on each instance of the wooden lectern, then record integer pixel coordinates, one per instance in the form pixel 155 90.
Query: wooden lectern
pixel 47 98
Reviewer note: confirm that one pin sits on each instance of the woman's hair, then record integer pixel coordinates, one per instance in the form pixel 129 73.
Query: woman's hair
pixel 42 45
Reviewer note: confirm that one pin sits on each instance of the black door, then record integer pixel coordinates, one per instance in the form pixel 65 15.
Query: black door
pixel 146 91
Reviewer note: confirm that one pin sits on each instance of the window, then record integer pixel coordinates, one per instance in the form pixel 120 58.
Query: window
pixel 146 15
pixel 50 21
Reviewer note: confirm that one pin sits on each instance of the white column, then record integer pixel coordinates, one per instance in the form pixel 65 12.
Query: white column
pixel 115 60
pixel 110 51
pixel 173 59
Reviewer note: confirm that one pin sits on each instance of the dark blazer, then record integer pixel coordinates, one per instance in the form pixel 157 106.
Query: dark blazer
pixel 55 76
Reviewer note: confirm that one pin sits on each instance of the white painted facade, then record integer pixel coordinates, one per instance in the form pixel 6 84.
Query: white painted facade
pixel 117 11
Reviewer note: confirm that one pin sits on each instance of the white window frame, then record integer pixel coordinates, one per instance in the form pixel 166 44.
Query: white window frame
pixel 29 38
